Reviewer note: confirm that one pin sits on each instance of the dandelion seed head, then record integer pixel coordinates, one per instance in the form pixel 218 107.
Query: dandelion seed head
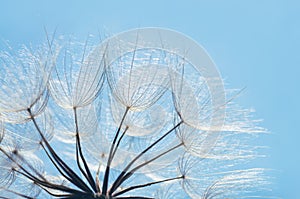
pixel 142 114
pixel 23 82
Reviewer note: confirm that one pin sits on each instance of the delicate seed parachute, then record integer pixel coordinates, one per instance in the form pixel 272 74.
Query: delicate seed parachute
pixel 144 114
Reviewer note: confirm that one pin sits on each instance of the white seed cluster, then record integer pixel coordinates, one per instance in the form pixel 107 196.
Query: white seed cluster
pixel 144 114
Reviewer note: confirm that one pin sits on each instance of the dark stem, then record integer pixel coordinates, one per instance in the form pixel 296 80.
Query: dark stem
pixel 30 166
pixel 35 180
pixel 145 185
pixel 55 164
pixel 75 179
pixel 119 141
pixel 16 193
pixel 110 157
pixel 87 173
pixel 44 184
pixel 131 172
pixel 119 180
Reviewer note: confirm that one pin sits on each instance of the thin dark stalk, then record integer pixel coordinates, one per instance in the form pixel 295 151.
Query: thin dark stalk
pixel 145 185
pixel 119 141
pixel 110 157
pixel 30 166
pixel 76 180
pixel 131 172
pixel 87 172
pixel 29 175
pixel 34 179
pixel 119 180
pixel 16 193
pixel 44 184
pixel 55 164
pixel 4 197
pixel 55 195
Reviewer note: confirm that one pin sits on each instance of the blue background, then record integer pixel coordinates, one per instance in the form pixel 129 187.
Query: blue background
pixel 255 43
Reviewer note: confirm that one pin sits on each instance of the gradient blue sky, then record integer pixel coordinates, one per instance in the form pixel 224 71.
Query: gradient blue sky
pixel 255 43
